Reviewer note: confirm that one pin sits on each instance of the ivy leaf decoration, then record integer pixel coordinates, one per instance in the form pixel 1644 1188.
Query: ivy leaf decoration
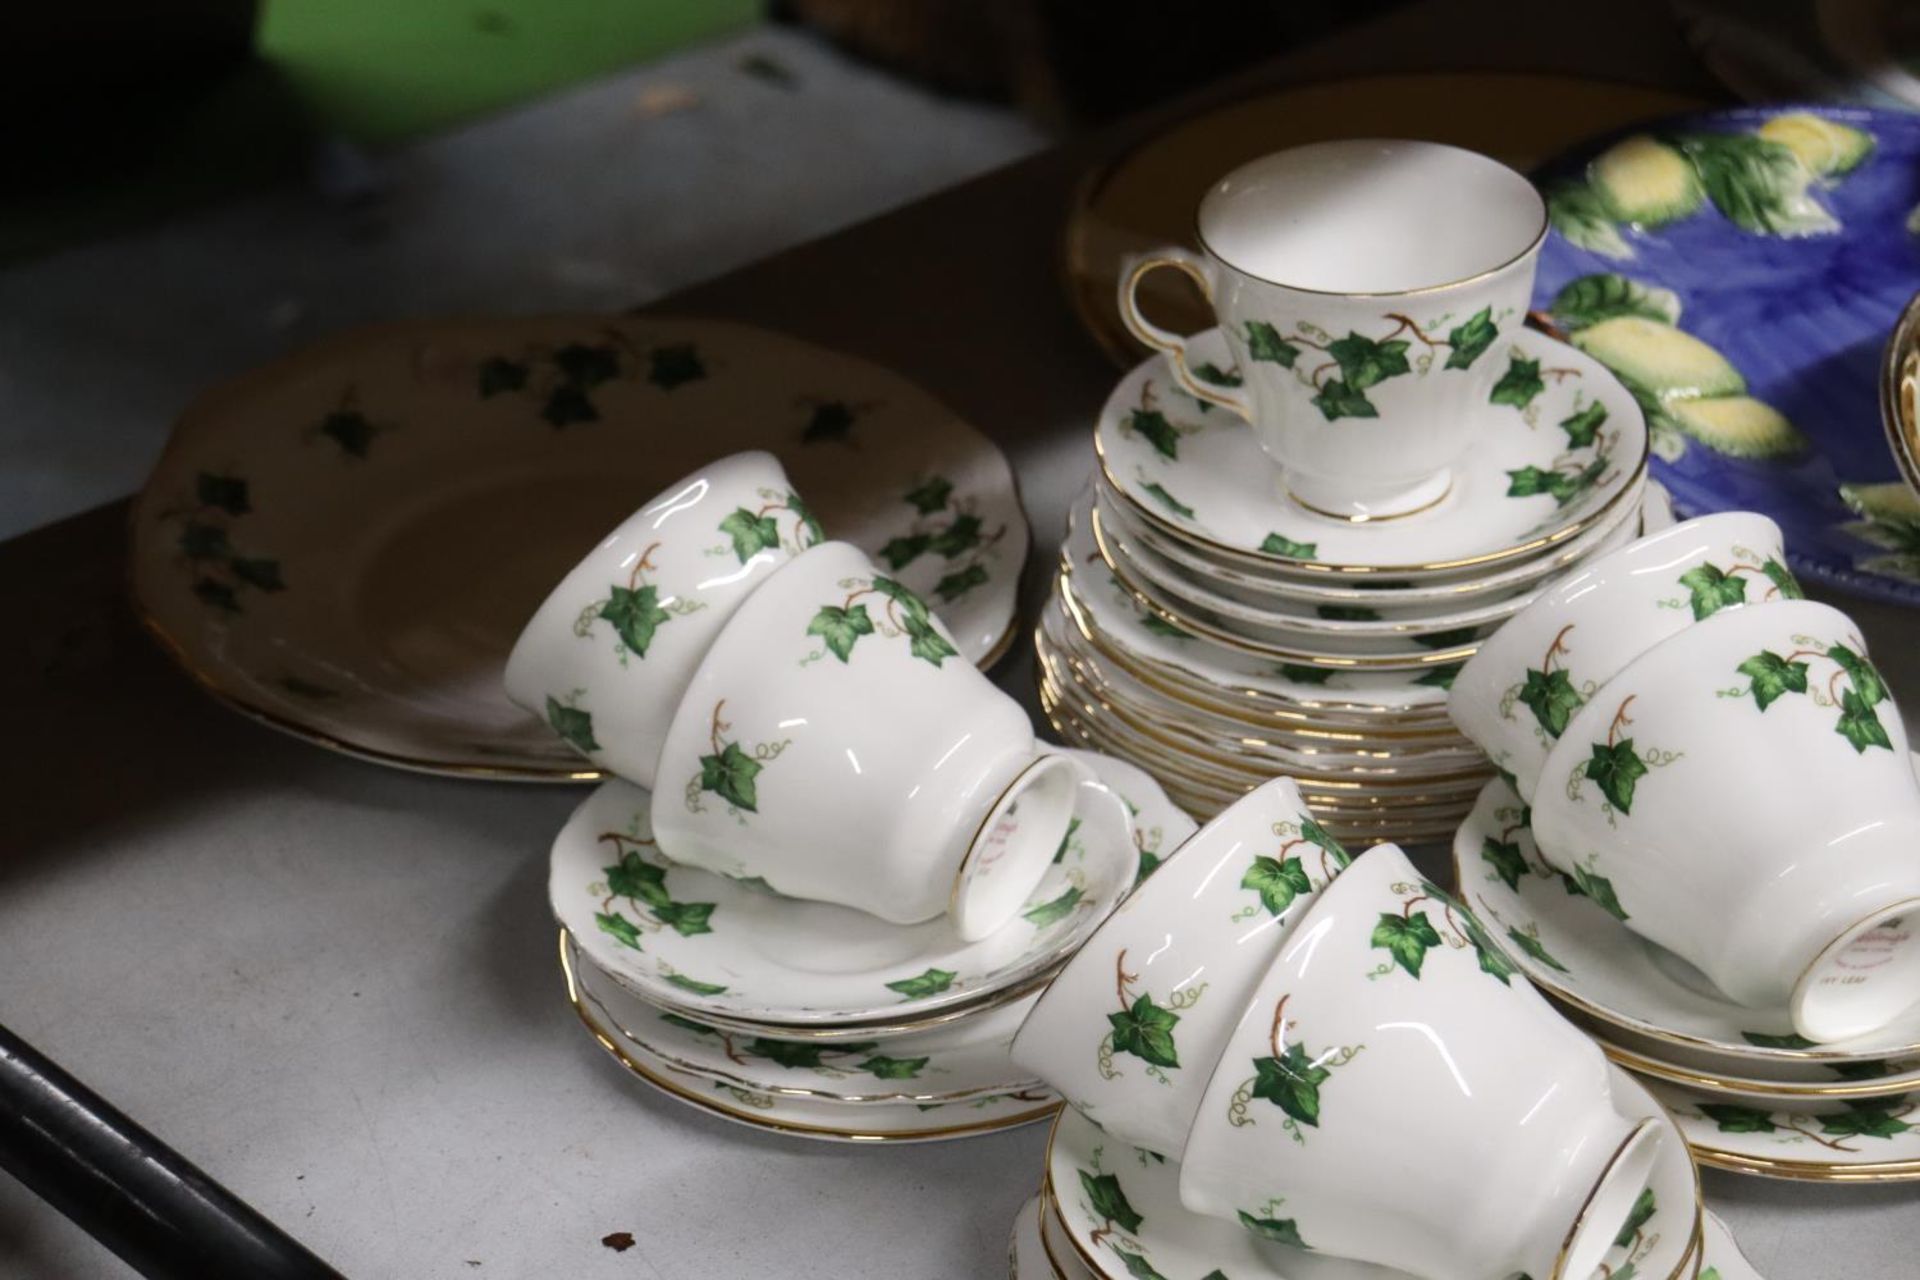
pixel 1765 1040
pixel 930 983
pixel 1153 426
pixel 1365 363
pixel 1772 676
pixel 1492 959
pixel 1470 340
pixel 1314 833
pixel 1533 947
pixel 1783 580
pixel 1712 590
pixel 1859 724
pixel 930 495
pixel 499 374
pixel 1066 840
pixel 1505 858
pixel 1583 883
pixel 1209 372
pixel 1109 1201
pixel 750 533
pixel 1583 425
pixel 1642 1211
pixel 840 627
pixel 1149 863
pixel 831 421
pixel 227 493
pixel 1563 488
pixel 1336 400
pixel 1278 883
pixel 1406 938
pixel 687 1024
pixel 1160 626
pixel 586 366
pixel 786 1053
pixel 350 430
pixel 1347 613
pixel 1291 1083
pixel 962 535
pixel 1137 1266
pixel 903 595
pixel 696 986
pixel 1171 503
pixel 1305 675
pixel 1265 343
pixel 809 522
pixel 634 877
pixel 1519 384
pixel 1437 640
pixel 1441 677
pixel 1278 1230
pixel 1860 674
pixel 904 550
pixel 882 1067
pixel 729 774
pixel 203 541
pixel 1049 913
pixel 1615 769
pixel 672 366
pixel 927 644
pixel 1146 1031
pixel 1551 697
pixel 1276 545
pixel 956 584
pixel 1734 1118
pixel 619 928
pixel 572 724
pixel 1864 1119
pixel 636 615
pixel 687 919
pixel 567 405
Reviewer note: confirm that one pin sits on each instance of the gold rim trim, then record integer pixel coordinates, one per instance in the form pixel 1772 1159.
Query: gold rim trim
pixel 1673 1073
pixel 713 1106
pixel 1344 518
pixel 1805 1171
pixel 973 841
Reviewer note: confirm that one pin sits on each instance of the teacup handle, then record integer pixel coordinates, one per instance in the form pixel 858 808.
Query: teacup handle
pixel 1200 272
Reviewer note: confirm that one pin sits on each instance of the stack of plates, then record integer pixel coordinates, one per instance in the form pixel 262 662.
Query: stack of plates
pixel 819 1020
pixel 1209 628
pixel 1748 1094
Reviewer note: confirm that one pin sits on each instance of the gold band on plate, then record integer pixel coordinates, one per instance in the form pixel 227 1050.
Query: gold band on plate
pixel 1805 1170
pixel 1673 1073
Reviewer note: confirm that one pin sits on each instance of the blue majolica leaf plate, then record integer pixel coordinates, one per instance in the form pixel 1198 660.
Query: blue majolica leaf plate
pixel 1771 247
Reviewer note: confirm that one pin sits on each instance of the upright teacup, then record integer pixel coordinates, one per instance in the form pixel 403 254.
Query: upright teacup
pixel 1741 794
pixel 836 744
pixel 606 657
pixel 1366 289
pixel 1396 1093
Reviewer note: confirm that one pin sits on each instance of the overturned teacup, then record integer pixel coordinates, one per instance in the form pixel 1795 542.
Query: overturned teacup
pixel 835 744
pixel 606 657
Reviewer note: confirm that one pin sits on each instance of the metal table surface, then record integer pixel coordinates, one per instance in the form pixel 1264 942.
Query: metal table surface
pixel 334 986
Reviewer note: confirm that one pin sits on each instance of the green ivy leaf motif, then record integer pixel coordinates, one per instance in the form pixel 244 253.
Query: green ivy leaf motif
pixel 729 774
pixel 1303 674
pixel 696 986
pixel 1733 1118
pixel 1519 384
pixel 1149 863
pixel 786 1053
pixel 831 421
pixel 672 366
pixel 1492 960
pixel 586 366
pixel 1366 363
pixel 930 983
pixel 634 877
pixel 840 627
pixel 499 375
pixel 882 1067
pixel 1167 500
pixel 687 919
pixel 1643 1210
pixel 687 1024
pixel 1109 1201
pixel 1347 613
pixel 227 493
pixel 636 615
pixel 1871 1070
pixel 1313 833
pixel 567 405
pixel 956 584
pixel 1146 1031
pixel 1291 1083
pixel 901 594
pixel 1279 1230
pixel 1551 697
pixel 1152 425
pixel 259 573
pixel 217 595
pixel 619 928
pixel 930 495
pixel 203 541
pixel 1582 883
pixel 1505 858
pixel 809 523
pixel 1783 580
pixel 1066 841
pixel 1406 938
pixel 1137 1266
pixel 927 644
pixel 1049 913
pixel 350 430
pixel 1859 724
pixel 1533 947
pixel 1441 677
pixel 1712 590
pixel 1444 639
pixel 1209 372
pixel 1265 343
pixel 1615 769
pixel 1276 545
pixel 1471 339
pixel 1773 677
pixel 1865 1118
pixel 1765 1040
pixel 1860 674
pixel 962 535
pixel 572 724
pixel 1337 400
pixel 1591 299
pixel 904 550
pixel 750 533
pixel 1278 883
pixel 1583 425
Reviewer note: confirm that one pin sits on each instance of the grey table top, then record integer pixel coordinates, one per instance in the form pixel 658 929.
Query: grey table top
pixel 334 986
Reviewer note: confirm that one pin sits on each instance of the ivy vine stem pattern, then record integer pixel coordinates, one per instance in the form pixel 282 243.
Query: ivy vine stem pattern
pixel 1288 1077
pixel 1142 1027
pixel 1363 362
pixel 839 627
pixel 1772 676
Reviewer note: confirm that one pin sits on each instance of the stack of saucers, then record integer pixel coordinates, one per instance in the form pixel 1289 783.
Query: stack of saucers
pixel 1702 847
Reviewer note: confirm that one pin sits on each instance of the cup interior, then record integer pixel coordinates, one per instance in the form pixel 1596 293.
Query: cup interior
pixel 1015 846
pixel 1612 1201
pixel 1371 215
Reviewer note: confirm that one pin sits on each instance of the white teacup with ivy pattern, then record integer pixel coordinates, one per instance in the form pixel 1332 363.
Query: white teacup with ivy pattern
pixel 1740 793
pixel 1130 1029
pixel 836 744
pixel 608 654
pixel 1515 697
pixel 1397 1093
pixel 1364 287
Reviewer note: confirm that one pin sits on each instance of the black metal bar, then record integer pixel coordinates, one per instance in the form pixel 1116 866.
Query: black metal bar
pixel 126 1188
